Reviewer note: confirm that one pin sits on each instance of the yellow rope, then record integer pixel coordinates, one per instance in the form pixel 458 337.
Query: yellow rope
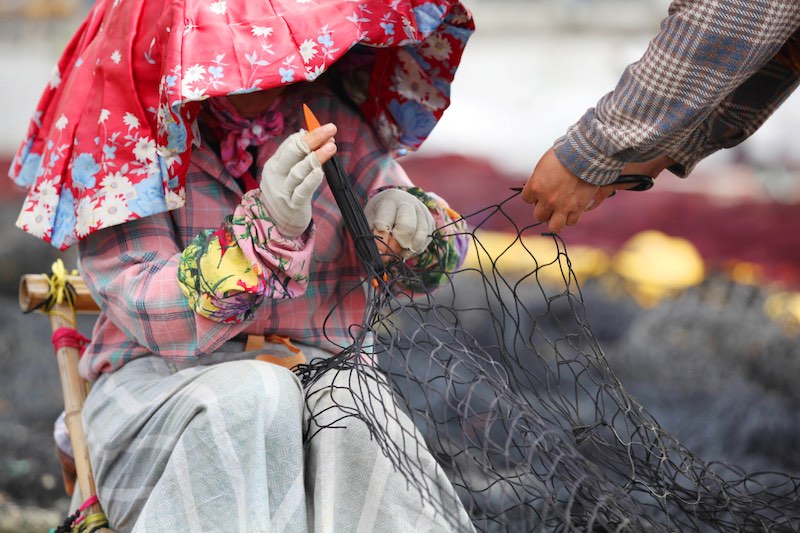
pixel 59 286
pixel 92 522
pixel 60 292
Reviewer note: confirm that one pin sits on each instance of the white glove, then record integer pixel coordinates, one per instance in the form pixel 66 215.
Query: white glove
pixel 404 216
pixel 288 182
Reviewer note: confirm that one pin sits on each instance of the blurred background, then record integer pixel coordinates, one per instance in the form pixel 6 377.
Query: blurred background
pixel 691 287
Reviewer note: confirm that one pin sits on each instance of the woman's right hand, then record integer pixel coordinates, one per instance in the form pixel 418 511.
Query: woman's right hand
pixel 291 176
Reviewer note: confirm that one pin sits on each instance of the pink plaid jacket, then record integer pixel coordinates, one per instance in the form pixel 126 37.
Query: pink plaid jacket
pixel 132 269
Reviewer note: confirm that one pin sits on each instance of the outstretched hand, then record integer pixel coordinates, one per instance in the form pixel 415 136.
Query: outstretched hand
pixel 560 198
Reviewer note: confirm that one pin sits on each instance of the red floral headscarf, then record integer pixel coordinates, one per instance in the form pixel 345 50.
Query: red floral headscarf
pixel 111 138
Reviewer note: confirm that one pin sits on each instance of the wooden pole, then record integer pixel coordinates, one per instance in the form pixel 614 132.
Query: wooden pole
pixel 73 389
pixel 34 290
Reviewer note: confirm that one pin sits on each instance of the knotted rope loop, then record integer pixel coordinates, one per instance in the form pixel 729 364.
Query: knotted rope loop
pixel 60 291
pixel 65 337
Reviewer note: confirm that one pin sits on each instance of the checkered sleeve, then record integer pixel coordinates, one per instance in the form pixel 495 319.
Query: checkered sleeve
pixel 691 93
pixel 132 272
pixel 737 117
pixel 184 302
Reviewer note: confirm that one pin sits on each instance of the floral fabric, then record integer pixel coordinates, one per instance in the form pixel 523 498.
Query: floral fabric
pixel 112 136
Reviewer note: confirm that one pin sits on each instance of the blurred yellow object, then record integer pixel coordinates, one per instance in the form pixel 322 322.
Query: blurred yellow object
pixel 528 254
pixel 654 266
pixel 784 308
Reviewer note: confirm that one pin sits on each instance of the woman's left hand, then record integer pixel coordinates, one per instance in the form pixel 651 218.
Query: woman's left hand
pixel 401 221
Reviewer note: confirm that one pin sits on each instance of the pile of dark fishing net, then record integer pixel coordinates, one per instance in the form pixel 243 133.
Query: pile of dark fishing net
pixel 510 389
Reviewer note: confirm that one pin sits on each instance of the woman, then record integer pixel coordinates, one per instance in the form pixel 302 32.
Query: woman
pixel 203 227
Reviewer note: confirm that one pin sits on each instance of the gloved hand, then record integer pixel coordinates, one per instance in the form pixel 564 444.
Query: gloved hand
pixel 394 214
pixel 291 176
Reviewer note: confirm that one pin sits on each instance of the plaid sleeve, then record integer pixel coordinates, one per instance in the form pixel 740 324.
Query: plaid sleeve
pixel 694 73
pixel 226 273
pixel 132 272
pixel 737 117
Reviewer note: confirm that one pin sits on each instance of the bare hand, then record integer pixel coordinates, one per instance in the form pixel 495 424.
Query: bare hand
pixel 388 247
pixel 559 197
pixel 321 141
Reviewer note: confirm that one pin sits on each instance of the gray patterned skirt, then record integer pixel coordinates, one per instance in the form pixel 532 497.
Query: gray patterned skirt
pixel 218 446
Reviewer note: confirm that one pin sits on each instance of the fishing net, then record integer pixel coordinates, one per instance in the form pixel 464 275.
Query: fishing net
pixel 509 388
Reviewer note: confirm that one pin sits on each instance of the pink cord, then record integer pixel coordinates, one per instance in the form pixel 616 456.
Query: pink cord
pixel 65 337
pixel 88 503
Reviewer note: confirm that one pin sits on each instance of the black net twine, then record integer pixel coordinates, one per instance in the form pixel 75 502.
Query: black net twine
pixel 512 394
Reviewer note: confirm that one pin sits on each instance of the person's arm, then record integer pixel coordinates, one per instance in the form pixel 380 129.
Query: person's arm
pixel 183 303
pixel 264 249
pixel 734 120
pixel 141 277
pixel 737 117
pixel 226 273
pixel 740 115
pixel 706 50
pixel 706 54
